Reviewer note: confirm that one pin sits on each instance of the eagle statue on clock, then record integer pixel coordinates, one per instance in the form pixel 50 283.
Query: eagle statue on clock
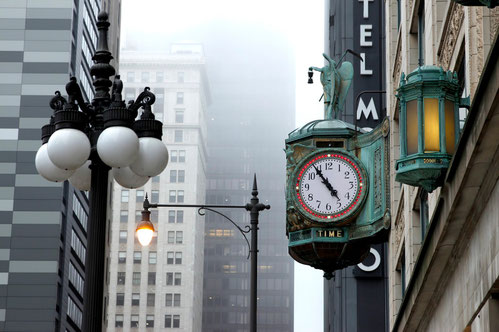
pixel 337 183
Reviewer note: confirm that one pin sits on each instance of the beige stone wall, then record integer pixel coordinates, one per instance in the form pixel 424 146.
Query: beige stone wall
pixel 452 33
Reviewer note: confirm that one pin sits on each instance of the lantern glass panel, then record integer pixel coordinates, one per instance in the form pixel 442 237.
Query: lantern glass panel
pixel 450 129
pixel 431 125
pixel 412 127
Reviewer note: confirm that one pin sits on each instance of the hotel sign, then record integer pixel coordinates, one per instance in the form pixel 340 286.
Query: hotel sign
pixel 369 43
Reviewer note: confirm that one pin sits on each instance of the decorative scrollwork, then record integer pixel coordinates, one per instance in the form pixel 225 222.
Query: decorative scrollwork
pixel 242 231
pixel 74 94
pixel 146 97
pixel 57 102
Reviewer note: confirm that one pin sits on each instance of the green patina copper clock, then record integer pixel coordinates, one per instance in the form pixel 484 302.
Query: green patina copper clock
pixel 329 186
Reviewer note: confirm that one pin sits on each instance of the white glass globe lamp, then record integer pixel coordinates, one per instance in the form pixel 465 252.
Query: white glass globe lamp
pixel 68 148
pixel 128 179
pixel 152 157
pixel 118 146
pixel 47 169
pixel 82 177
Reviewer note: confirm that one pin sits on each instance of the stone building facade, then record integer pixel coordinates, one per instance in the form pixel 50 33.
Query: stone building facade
pixel 444 245
pixel 159 287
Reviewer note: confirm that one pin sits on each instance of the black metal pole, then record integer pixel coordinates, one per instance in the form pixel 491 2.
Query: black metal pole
pixel 254 207
pixel 96 249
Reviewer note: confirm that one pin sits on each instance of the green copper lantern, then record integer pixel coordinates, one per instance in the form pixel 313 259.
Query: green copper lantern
pixel 429 126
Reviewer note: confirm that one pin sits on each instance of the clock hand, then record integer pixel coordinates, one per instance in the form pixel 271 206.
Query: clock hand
pixel 326 182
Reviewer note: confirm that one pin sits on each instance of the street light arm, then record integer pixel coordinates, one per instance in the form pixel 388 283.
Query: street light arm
pixel 242 231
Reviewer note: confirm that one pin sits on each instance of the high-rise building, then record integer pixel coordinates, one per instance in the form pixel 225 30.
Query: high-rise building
pixel 253 110
pixel 443 247
pixel 160 286
pixel 355 299
pixel 42 224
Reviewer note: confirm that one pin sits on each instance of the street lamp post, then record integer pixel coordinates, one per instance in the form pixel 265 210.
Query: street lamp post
pixel 145 232
pixel 83 141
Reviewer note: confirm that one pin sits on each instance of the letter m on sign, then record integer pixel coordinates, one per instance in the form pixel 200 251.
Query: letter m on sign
pixel 363 110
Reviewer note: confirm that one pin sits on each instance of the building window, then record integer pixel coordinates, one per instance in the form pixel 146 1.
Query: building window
pixel 168 320
pixel 423 213
pixel 173 176
pixel 124 196
pixel 118 321
pixel 137 257
pixel 171 217
pixel 80 214
pixel 122 257
pixel 149 321
pixel 421 31
pixel 136 278
pixel 151 297
pixel 176 321
pixel 123 236
pixel 123 216
pixel 179 136
pixel 74 313
pixel 176 300
pixel 180 97
pixel 169 257
pixel 135 299
pixel 173 156
pixel 181 176
pixel 169 300
pixel 155 179
pixel 138 215
pixel 120 299
pixel 130 76
pixel 154 217
pixel 180 77
pixel 176 216
pixel 153 257
pixel 178 278
pixel 176 196
pixel 78 247
pixel 151 278
pixel 159 76
pixel 154 196
pixel 140 196
pixel 76 279
pixel 179 237
pixel 121 278
pixel 178 257
pixel 171 237
pixel 134 321
pixel 169 278
pixel 179 116
pixel 181 156
pixel 144 77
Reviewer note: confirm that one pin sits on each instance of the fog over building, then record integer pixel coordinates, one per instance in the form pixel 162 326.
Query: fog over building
pixel 251 73
pixel 42 224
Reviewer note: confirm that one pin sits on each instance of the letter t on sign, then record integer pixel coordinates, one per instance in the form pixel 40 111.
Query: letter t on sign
pixel 366 8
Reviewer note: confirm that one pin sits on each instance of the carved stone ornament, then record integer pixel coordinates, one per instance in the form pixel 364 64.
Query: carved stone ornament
pixel 450 34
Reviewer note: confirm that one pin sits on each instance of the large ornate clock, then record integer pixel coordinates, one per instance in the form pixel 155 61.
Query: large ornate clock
pixel 337 194
pixel 329 186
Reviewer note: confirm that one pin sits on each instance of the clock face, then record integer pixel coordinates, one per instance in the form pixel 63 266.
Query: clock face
pixel 329 186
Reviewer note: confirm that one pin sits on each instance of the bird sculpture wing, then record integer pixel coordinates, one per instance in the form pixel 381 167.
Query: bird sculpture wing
pixel 346 75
